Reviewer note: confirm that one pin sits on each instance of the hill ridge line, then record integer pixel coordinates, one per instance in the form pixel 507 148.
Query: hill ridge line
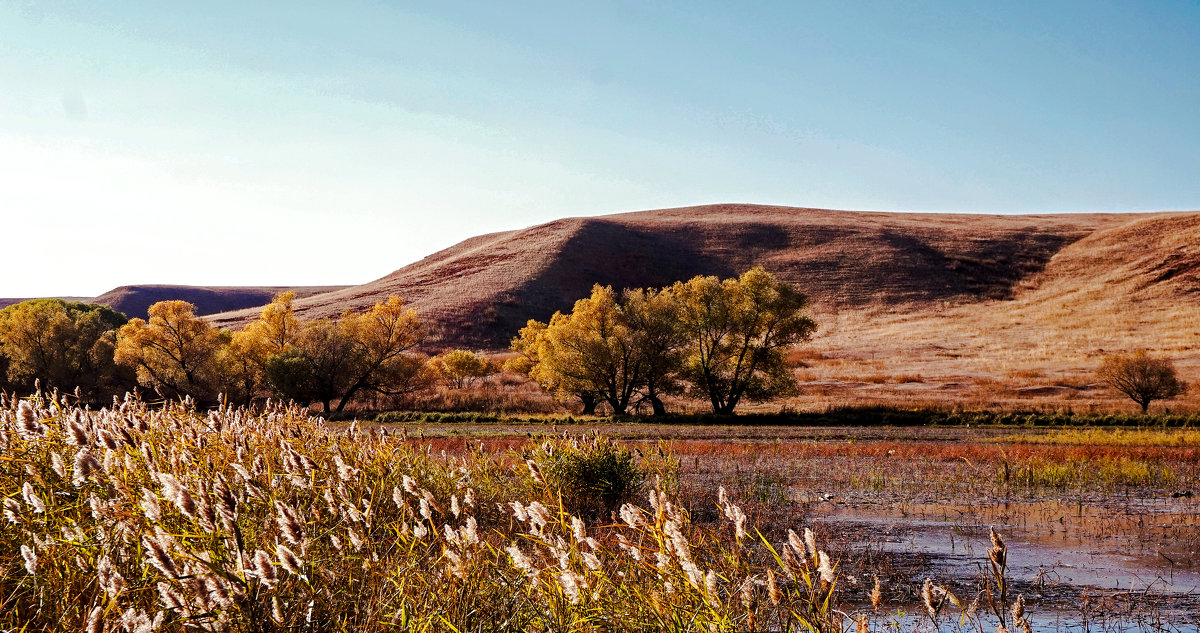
pixel 480 291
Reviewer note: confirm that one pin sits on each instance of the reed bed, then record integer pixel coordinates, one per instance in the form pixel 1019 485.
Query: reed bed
pixel 140 519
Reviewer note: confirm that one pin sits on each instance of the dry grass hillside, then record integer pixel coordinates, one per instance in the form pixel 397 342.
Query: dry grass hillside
pixel 912 306
pixel 485 288
pixel 1133 285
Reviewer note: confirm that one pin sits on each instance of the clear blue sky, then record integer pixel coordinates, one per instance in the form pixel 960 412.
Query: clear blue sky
pixel 310 143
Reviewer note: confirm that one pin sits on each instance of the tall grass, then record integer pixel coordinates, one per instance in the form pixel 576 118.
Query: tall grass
pixel 139 519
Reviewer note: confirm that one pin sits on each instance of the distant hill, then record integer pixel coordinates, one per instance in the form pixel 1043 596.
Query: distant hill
pixel 8 301
pixel 134 301
pixel 481 291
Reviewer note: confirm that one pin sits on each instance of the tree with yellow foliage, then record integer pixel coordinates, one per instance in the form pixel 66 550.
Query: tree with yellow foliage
pixel 591 353
pixel 527 361
pixel 382 339
pixel 654 317
pixel 461 366
pixel 327 360
pixel 175 352
pixel 737 332
pixel 250 348
pixel 594 346
pixel 62 345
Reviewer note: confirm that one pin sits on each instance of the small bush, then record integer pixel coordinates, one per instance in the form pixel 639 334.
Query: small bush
pixel 593 476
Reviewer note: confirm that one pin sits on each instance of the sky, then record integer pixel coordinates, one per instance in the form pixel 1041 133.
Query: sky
pixel 308 143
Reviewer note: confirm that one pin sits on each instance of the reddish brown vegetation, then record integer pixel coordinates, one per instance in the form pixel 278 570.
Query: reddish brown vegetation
pixel 926 450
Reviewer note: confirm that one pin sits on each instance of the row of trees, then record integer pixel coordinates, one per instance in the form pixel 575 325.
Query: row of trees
pixel 98 353
pixel 62 344
pixel 719 340
pixel 323 360
pixel 723 341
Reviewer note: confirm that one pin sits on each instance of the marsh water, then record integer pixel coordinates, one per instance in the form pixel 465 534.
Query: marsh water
pixel 1085 557
pixel 1119 563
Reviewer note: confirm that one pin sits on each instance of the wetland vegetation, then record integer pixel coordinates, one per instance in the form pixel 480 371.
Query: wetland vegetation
pixel 176 519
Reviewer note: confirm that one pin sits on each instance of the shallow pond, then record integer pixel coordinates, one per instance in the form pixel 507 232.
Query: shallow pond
pixel 1104 564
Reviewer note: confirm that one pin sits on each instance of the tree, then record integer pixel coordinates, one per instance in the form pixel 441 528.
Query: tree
pixel 737 333
pixel 175 352
pixel 382 338
pixel 292 375
pixel 593 349
pixel 528 362
pixel 319 367
pixel 63 345
pixel 275 332
pixel 460 366
pixel 654 317
pixel 1141 377
pixel 357 354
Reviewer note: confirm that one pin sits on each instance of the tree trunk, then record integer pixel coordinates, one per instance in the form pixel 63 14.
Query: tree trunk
pixel 589 403
pixel 1145 406
pixel 717 405
pixel 619 405
pixel 657 404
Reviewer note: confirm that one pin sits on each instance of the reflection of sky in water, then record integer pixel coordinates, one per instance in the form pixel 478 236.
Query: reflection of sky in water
pixel 1126 545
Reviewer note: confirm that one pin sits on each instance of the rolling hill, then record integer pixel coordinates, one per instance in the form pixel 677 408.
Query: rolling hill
pixel 970 309
pixel 481 291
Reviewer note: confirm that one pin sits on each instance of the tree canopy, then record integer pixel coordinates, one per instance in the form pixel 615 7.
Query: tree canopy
pixel 326 360
pixel 593 348
pixel 180 354
pixel 64 345
pixel 527 344
pixel 461 366
pixel 1141 377
pixel 737 331
pixel 175 352
pixel 726 338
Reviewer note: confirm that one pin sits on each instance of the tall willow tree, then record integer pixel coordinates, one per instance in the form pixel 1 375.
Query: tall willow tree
pixel 594 348
pixel 737 333
pixel 251 348
pixel 527 344
pixel 175 352
pixel 653 315
pixel 330 361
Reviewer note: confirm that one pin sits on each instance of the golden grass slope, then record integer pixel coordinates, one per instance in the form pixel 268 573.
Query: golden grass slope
pixel 1135 285
pixel 942 300
pixel 483 289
